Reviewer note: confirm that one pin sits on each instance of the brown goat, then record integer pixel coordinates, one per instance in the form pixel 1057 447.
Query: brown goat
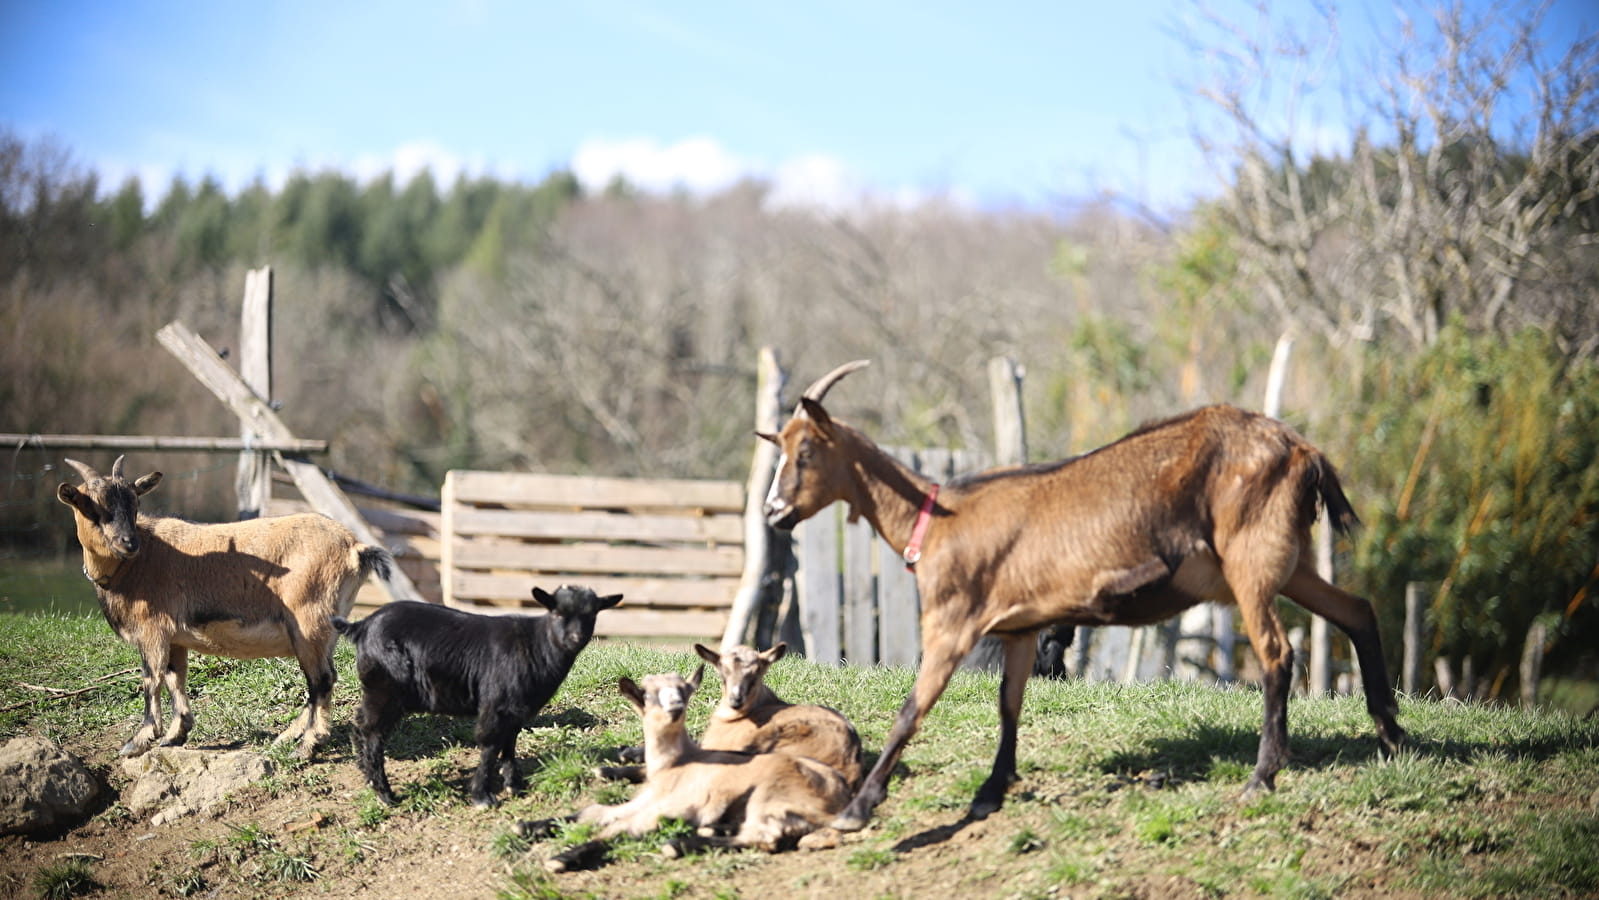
pixel 247 590
pixel 751 718
pixel 771 798
pixel 1213 505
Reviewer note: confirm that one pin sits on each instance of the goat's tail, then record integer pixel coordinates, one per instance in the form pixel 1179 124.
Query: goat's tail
pixel 370 558
pixel 1324 481
pixel 351 630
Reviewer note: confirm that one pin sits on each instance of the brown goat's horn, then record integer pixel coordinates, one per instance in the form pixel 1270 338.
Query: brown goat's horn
pixel 84 472
pixel 116 467
pixel 820 386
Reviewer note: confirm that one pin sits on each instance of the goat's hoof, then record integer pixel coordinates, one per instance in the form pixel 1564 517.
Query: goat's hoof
pixel 631 754
pixel 134 748
pixel 983 807
pixel 823 839
pixel 387 798
pixel 849 821
pixel 485 802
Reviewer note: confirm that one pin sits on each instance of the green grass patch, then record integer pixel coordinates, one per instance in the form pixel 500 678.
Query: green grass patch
pixel 1120 788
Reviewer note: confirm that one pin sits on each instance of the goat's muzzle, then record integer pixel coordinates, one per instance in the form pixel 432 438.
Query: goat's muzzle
pixel 124 547
pixel 781 515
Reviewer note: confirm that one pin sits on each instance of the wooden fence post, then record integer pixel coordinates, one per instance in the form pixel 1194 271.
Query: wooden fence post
pixel 1415 613
pixel 1532 661
pixel 768 394
pixel 253 483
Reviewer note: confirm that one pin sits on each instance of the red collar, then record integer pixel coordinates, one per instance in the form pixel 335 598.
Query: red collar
pixel 913 550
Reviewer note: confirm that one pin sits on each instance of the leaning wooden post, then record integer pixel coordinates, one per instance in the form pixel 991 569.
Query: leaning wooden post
pixel 254 480
pixel 317 488
pixel 768 394
pixel 1318 671
pixel 1415 613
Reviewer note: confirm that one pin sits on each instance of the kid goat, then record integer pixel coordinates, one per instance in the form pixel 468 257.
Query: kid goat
pixel 752 719
pixel 1213 505
pixel 418 657
pixel 252 589
pixel 771 798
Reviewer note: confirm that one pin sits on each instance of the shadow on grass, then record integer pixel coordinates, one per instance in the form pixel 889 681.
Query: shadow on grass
pixel 1195 755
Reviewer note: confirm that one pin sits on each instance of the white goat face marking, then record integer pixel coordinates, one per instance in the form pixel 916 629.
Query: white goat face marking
pixel 671 698
pixel 774 502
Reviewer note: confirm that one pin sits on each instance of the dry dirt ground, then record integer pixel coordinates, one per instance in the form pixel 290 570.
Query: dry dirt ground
pixel 314 813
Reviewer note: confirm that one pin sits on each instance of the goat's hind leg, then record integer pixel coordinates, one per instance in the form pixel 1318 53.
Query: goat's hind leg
pixel 1265 629
pixel 313 725
pixel 1354 617
pixel 377 717
pixel 1020 652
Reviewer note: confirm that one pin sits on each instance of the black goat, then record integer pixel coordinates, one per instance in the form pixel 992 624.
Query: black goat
pixel 418 657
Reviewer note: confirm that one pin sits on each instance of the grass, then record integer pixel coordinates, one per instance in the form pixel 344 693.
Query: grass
pixel 1124 789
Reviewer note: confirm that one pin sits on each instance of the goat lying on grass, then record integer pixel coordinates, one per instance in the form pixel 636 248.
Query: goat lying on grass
pixel 751 719
pixel 1213 505
pixel 248 590
pixel 768 800
pixel 418 657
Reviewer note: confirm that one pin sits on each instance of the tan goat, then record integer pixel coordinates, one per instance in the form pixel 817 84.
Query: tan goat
pixel 769 798
pixel 1215 505
pixel 751 718
pixel 247 590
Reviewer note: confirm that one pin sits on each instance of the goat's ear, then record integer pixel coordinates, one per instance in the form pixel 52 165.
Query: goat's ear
pixel 70 495
pixel 699 676
pixel 608 602
pixel 146 483
pixel 819 416
pixel 768 437
pixel 707 654
pixel 545 599
pixel 776 653
pixel 631 691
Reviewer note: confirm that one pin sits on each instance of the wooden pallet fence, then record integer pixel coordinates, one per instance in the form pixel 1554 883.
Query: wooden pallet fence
pixel 672 547
pixel 857 603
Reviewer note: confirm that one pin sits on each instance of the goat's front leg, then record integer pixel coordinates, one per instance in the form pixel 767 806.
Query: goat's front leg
pixel 176 679
pixel 942 651
pixel 1020 652
pixel 510 773
pixel 153 664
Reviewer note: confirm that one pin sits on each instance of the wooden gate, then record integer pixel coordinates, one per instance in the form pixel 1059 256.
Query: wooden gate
pixel 673 548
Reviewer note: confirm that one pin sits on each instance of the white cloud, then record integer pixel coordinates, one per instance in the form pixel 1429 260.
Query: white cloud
pixel 698 164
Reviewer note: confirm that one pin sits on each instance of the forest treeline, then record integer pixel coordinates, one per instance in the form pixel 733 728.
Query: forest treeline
pixel 1437 278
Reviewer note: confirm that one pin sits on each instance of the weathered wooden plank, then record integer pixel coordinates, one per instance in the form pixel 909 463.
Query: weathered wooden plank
pixel 820 585
pixel 596 558
pixel 593 492
pixel 621 622
pixel 898 611
pixel 607 526
pixel 204 363
pixel 860 600
pixel 186 443
pixel 661 592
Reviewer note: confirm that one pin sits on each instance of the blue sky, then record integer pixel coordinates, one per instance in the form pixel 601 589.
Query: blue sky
pixel 996 103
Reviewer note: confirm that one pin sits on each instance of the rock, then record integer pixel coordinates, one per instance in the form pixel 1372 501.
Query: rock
pixel 42 787
pixel 176 782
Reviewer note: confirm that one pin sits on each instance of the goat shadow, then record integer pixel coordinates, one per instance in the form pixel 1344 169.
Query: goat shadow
pixel 423 735
pixel 1192 756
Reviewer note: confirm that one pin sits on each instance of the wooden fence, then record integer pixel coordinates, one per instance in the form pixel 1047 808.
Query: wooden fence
pixel 673 548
